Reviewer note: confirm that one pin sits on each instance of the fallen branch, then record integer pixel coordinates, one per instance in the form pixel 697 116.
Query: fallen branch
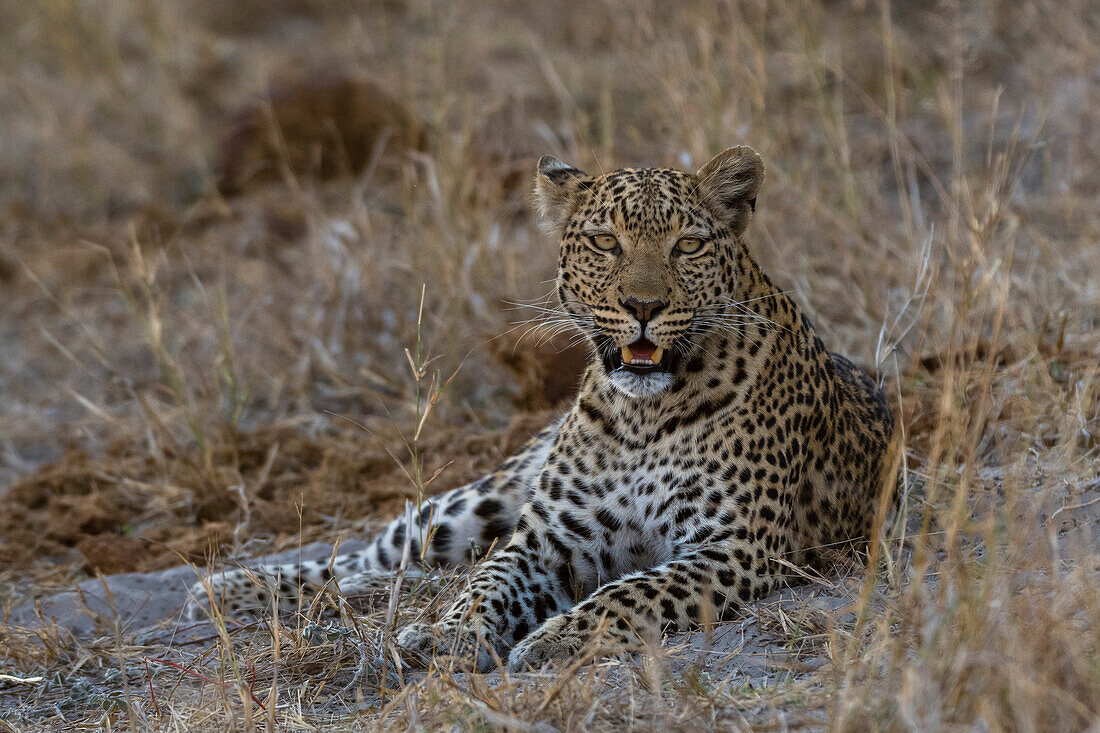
pixel 196 675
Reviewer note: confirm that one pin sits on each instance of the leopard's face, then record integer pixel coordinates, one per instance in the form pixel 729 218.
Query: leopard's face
pixel 649 259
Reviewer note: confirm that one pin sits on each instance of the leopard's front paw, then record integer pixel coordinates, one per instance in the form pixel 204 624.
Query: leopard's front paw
pixel 418 637
pixel 556 640
pixel 464 641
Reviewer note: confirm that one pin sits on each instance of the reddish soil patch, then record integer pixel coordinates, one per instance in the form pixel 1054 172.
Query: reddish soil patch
pixel 128 511
pixel 547 371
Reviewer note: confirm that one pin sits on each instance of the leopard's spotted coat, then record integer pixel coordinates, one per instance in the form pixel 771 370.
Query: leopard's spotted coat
pixel 668 495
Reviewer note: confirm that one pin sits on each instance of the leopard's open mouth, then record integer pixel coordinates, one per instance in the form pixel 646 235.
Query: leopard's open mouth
pixel 640 357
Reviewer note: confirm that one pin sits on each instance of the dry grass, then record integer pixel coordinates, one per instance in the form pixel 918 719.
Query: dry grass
pixel 931 202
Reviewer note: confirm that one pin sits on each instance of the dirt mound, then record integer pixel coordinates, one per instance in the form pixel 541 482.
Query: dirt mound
pixel 128 511
pixel 321 126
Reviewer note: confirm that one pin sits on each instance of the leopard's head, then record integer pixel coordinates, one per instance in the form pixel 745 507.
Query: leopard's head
pixel 650 258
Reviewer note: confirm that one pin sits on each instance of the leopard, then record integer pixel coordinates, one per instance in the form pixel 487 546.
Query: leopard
pixel 715 449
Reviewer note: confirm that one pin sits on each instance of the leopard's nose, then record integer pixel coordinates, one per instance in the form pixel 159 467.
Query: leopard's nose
pixel 644 310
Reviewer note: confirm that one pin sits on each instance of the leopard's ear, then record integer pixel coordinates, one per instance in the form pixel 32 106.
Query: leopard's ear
pixel 557 189
pixel 729 184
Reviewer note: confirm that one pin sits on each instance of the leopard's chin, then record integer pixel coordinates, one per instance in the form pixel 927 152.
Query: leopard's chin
pixel 638 386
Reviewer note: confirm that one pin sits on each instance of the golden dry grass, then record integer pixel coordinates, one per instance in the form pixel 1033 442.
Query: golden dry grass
pixel 931 202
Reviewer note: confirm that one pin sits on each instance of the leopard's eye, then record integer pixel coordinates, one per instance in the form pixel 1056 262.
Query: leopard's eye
pixel 605 242
pixel 689 245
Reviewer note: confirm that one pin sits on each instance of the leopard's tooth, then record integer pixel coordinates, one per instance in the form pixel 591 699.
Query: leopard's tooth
pixel 657 354
pixel 628 355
